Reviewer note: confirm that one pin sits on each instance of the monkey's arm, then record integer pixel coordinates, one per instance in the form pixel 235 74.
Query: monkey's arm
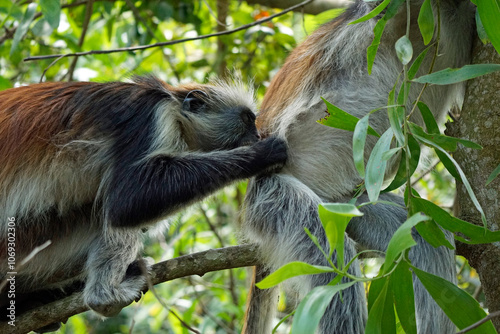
pixel 143 193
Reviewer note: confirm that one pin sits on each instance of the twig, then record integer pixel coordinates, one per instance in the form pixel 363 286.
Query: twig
pixel 193 264
pixel 183 40
pixel 86 21
pixel 480 322
pixel 430 169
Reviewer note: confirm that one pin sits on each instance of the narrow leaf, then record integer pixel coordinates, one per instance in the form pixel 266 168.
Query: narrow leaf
pixel 481 33
pixel 462 309
pixel 454 75
pixel 401 176
pixel 375 168
pixel 335 217
pixel 430 231
pixel 401 240
pixel 358 144
pixel 290 270
pixel 462 177
pixel 24 25
pixel 340 119
pixel 416 64
pixel 493 175
pixel 313 306
pixel 51 10
pixel 377 10
pixel 474 234
pixel 381 318
pixel 489 11
pixel 426 21
pixel 404 298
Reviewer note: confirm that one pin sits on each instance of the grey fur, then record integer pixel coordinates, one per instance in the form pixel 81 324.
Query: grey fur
pixel 320 167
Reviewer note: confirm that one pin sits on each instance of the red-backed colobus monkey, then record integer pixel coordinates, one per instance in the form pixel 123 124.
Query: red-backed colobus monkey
pixel 88 165
pixel 331 63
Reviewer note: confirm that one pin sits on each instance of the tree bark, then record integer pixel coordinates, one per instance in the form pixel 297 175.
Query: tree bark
pixel 480 122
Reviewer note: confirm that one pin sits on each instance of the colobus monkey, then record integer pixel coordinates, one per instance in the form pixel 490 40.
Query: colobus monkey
pixel 331 63
pixel 89 165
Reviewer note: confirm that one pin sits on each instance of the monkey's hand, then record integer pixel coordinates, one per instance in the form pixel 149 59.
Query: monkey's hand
pixel 271 153
pixel 108 300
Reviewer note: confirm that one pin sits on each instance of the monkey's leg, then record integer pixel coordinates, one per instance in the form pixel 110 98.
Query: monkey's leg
pixel 277 209
pixel 375 228
pixel 261 304
pixel 112 281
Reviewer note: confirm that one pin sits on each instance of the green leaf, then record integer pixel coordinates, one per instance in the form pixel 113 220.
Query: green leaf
pixel 389 154
pixel 474 234
pixel 358 144
pixel 375 168
pixel 462 309
pixel 428 117
pixel 381 318
pixel 23 27
pixel 462 176
pixel 290 270
pixel 489 11
pixel 481 33
pixel 51 10
pixel 401 176
pixel 378 30
pixel 340 119
pixel 430 231
pixel 404 49
pixel 335 217
pixel 426 21
pixel 313 306
pixel 396 115
pixel 445 142
pixel 432 127
pixel 401 240
pixel 376 288
pixel 371 51
pixel 377 10
pixel 454 75
pixel 404 298
pixel 493 175
pixel 416 64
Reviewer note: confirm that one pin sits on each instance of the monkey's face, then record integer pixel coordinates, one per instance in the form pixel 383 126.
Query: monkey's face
pixel 211 121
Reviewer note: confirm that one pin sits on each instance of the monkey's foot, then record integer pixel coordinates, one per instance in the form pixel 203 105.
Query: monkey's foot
pixel 108 299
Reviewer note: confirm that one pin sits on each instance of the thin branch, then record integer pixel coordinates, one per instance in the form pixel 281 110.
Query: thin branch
pixel 183 40
pixel 193 264
pixel 480 322
pixel 88 13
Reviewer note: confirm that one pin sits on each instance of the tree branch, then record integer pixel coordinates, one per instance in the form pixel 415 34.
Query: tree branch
pixel 192 264
pixel 314 8
pixel 155 45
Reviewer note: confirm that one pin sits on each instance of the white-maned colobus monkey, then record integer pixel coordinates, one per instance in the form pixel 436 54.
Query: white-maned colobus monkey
pixel 331 63
pixel 88 165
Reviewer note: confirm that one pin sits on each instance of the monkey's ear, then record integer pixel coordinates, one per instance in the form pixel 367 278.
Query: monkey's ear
pixel 192 103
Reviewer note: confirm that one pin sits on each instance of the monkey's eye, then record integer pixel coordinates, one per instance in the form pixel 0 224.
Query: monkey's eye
pixel 193 101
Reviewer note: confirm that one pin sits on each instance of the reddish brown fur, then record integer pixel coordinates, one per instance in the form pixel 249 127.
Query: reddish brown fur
pixel 288 82
pixel 28 122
